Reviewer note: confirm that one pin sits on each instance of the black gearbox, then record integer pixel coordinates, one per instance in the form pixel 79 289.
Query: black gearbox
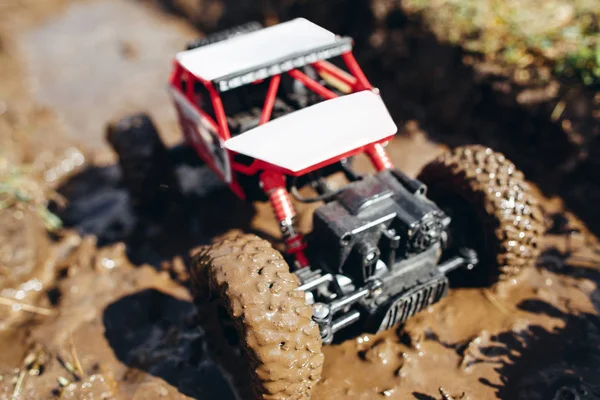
pixel 381 217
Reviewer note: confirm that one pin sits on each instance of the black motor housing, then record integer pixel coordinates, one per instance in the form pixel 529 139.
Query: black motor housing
pixel 381 217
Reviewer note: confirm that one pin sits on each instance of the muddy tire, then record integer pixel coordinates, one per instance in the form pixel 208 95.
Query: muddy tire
pixel 492 207
pixel 143 159
pixel 257 325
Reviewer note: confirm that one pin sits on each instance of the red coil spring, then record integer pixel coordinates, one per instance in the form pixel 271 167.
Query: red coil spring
pixel 274 185
pixel 282 204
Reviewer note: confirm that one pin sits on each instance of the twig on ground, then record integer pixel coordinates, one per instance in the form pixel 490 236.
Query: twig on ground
pixel 18 385
pixel 26 307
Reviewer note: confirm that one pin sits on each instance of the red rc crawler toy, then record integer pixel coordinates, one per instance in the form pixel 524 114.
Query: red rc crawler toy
pixel 273 110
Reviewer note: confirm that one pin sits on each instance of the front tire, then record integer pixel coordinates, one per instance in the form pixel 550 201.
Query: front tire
pixel 493 209
pixel 257 324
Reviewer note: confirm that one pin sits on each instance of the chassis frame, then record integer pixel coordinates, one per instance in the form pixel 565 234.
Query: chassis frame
pixel 333 295
pixel 197 124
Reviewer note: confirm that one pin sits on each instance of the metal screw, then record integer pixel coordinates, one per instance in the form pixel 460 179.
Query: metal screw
pixel 320 310
pixel 376 288
pixel 310 298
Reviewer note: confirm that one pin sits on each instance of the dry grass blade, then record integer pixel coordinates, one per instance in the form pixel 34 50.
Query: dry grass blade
pixel 62 381
pixel 69 367
pixel 75 357
pixel 558 110
pixel 26 307
pixel 19 385
pixel 34 361
pixel 447 396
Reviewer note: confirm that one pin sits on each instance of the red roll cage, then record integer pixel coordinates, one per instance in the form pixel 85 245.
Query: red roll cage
pixel 272 180
pixel 354 81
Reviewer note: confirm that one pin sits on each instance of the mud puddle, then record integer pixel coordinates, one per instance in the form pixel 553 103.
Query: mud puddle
pixel 135 333
pixel 95 61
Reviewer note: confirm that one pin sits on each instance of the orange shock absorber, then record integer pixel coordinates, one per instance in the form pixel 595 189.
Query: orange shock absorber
pixel 274 186
pixel 379 158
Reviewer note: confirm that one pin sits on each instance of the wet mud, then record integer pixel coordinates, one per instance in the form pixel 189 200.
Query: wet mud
pixel 135 331
pixel 102 308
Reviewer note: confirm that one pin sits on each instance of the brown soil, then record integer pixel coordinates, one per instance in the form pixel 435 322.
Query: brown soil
pixel 102 310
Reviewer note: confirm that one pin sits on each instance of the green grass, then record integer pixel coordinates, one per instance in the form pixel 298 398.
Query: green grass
pixel 565 33
pixel 583 63
pixel 21 190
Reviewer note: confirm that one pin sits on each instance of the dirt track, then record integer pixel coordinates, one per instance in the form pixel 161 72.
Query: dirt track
pixel 120 316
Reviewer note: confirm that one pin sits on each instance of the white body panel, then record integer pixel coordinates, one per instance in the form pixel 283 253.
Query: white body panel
pixel 318 133
pixel 254 49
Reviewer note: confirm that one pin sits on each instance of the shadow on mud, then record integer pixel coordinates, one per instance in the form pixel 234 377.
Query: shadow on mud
pixel 99 205
pixel 422 396
pixel 537 364
pixel 560 364
pixel 157 333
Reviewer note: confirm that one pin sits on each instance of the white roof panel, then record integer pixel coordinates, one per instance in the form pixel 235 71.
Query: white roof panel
pixel 315 134
pixel 254 49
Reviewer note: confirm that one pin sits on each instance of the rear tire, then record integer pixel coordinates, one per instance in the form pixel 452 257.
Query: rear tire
pixel 146 171
pixel 490 198
pixel 258 325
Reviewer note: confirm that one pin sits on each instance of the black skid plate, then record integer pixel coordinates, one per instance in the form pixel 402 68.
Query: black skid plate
pixel 411 302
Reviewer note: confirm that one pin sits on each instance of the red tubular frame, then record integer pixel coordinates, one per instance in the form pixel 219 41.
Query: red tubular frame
pixel 379 158
pixel 312 84
pixel 362 83
pixel 219 110
pixel 270 100
pixel 257 165
pixel 272 178
pixel 176 74
pixel 336 72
